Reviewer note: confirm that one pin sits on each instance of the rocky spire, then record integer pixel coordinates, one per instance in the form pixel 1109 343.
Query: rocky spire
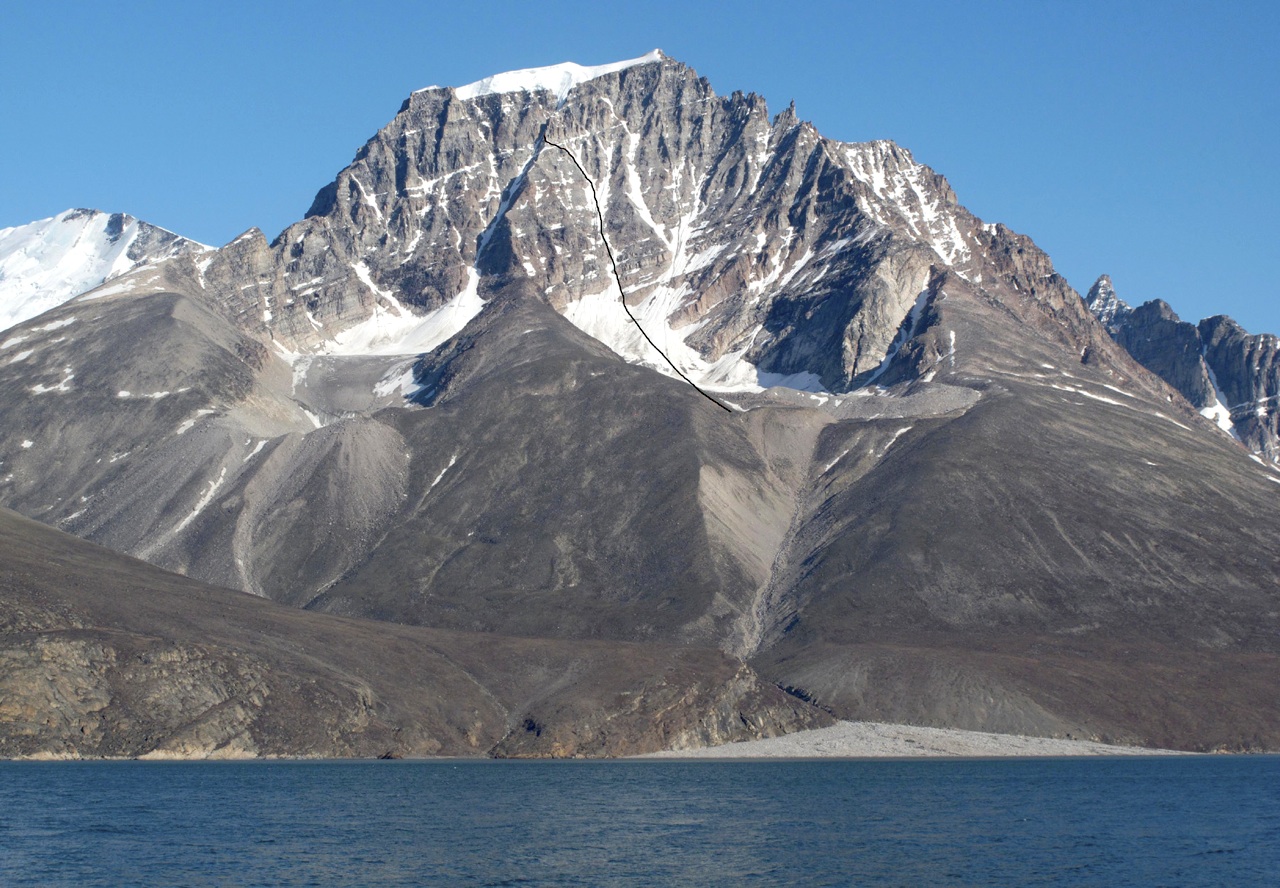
pixel 1105 305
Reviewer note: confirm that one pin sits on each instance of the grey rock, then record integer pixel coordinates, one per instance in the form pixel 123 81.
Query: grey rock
pixel 1217 366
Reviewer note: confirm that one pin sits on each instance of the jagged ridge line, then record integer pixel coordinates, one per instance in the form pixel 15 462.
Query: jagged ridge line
pixel 622 294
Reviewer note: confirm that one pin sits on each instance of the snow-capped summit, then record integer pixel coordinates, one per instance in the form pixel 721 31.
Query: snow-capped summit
pixel 558 79
pixel 1105 305
pixel 45 263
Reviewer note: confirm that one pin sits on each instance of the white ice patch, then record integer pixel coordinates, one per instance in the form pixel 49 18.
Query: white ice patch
pixel 203 502
pixel 1076 390
pixel 1218 411
pixel 398 331
pixel 189 423
pixel 63 386
pixel 602 316
pixel 54 325
pixel 558 79
pixel 401 377
pixel 1172 420
pixel 125 394
pixel 256 450
pixel 896 435
pixel 453 459
pixel 831 465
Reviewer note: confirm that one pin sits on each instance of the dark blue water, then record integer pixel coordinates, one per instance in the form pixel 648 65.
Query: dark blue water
pixel 1208 821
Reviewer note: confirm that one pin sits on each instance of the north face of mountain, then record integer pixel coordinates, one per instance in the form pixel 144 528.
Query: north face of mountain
pixel 778 256
pixel 1229 375
pixel 45 263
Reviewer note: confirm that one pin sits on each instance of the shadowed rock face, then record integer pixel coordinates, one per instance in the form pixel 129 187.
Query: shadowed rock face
pixel 423 405
pixel 1221 370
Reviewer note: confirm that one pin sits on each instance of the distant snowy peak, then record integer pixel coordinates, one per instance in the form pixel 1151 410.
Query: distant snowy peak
pixel 45 263
pixel 558 79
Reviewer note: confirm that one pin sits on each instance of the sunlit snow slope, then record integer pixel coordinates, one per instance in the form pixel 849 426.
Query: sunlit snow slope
pixel 45 263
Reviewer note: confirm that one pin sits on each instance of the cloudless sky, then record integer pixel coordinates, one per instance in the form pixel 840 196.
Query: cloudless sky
pixel 1135 139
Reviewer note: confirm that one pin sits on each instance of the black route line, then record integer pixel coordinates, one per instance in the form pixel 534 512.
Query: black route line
pixel 617 277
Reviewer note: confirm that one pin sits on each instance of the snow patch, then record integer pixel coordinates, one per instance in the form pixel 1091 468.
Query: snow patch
pixel 453 459
pixel 204 501
pixel 54 325
pixel 558 79
pixel 125 394
pixel 831 465
pixel 1218 411
pixel 63 386
pixel 397 331
pixel 401 377
pixel 602 316
pixel 190 422
pixel 256 450
pixel 896 435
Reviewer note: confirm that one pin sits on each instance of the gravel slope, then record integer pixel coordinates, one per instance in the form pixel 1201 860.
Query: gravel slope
pixel 872 740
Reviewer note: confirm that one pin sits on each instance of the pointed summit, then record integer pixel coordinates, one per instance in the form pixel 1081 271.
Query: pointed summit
pixel 1105 305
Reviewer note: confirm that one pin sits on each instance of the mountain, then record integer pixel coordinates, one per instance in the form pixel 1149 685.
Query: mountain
pixel 940 492
pixel 45 263
pixel 1229 375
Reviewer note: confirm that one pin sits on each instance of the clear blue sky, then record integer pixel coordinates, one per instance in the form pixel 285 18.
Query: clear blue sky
pixel 1134 139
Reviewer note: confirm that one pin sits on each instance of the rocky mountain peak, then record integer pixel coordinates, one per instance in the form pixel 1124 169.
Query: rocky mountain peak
pixel 756 251
pixel 1104 303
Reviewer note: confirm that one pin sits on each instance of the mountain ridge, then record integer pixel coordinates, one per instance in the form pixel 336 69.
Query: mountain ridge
pixel 1231 376
pixel 46 262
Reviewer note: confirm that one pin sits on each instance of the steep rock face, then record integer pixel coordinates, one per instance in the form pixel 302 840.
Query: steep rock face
pixel 1105 305
pixel 1170 348
pixel 1227 374
pixel 752 249
pixel 45 263
pixel 1246 369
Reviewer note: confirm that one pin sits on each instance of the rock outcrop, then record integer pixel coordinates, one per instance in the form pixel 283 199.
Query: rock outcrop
pixel 1229 375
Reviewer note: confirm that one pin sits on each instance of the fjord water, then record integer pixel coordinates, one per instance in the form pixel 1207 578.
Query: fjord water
pixel 1144 821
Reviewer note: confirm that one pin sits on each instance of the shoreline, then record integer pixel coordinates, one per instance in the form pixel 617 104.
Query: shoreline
pixel 848 739
pixel 844 740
